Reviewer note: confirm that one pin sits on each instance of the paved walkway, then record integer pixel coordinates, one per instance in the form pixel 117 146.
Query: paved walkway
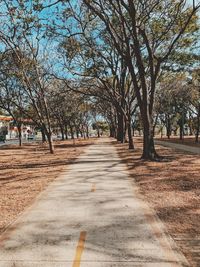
pixel 90 217
pixel 191 149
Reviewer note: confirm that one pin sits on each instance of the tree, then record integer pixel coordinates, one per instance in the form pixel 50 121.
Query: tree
pixel 21 37
pixel 145 34
pixel 102 70
pixel 196 101
pixel 172 101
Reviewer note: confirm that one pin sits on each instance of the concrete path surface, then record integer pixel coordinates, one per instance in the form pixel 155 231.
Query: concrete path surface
pixel 90 217
pixel 190 149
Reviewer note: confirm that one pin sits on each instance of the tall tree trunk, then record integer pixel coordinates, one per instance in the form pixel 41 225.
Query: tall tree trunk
pixel 125 132
pixel 112 131
pixel 43 134
pixel 130 135
pixel 98 132
pixel 19 128
pixel 181 130
pixel 66 132
pixel 120 127
pixel 71 132
pixel 50 141
pixel 149 152
pixel 77 134
pixel 87 131
pixel 62 132
pixel 168 126
pixel 112 128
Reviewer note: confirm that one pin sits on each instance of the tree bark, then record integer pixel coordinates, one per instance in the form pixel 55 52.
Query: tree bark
pixel 87 131
pixel 43 132
pixel 130 135
pixel 19 128
pixel 77 134
pixel 66 132
pixel 112 131
pixel 120 127
pixel 181 129
pixel 98 132
pixel 62 132
pixel 43 136
pixel 149 152
pixel 168 126
pixel 71 132
pixel 50 141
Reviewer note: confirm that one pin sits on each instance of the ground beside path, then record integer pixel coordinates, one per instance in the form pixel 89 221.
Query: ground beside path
pixel 26 171
pixel 89 217
pixel 182 147
pixel 172 189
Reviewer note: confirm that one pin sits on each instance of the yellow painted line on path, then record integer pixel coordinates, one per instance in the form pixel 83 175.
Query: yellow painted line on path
pixel 93 188
pixel 79 249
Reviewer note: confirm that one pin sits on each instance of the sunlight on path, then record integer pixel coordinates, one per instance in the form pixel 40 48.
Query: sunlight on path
pixel 89 217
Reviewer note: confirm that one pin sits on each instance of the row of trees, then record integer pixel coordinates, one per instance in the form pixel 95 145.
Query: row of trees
pixel 28 87
pixel 178 105
pixel 60 57
pixel 123 50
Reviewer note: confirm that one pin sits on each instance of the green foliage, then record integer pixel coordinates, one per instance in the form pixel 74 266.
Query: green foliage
pixel 101 125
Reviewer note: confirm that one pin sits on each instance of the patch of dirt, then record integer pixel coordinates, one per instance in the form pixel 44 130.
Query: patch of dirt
pixel 26 171
pixel 172 188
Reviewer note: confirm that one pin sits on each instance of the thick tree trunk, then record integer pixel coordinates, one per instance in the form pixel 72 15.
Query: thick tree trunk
pixel 112 131
pixel 168 126
pixel 130 135
pixel 125 132
pixel 182 126
pixel 98 132
pixel 149 152
pixel 43 134
pixel 120 128
pixel 50 141
pixel 66 132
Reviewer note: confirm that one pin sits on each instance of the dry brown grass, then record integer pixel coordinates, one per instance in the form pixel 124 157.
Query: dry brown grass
pixel 172 188
pixel 26 171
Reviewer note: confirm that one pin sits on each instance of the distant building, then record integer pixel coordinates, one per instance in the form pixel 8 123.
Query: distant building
pixel 10 131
